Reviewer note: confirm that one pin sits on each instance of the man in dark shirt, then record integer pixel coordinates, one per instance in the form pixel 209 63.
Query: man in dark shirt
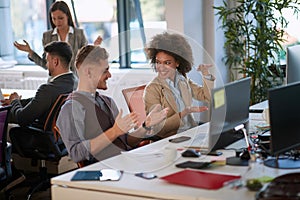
pixel 34 111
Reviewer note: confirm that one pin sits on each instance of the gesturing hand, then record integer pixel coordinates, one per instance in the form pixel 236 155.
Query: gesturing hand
pixel 98 40
pixel 23 47
pixel 124 124
pixel 197 109
pixel 192 109
pixel 204 69
pixel 156 115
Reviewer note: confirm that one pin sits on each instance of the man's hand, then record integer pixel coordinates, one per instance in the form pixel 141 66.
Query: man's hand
pixel 124 124
pixel 12 97
pixel 156 115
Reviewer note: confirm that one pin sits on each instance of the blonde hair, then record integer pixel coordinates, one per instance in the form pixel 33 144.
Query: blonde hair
pixel 90 55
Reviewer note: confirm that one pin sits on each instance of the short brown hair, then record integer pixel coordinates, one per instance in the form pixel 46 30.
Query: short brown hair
pixel 62 50
pixel 90 54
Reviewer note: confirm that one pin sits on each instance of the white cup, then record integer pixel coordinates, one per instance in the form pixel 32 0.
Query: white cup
pixel 170 153
pixel 266 115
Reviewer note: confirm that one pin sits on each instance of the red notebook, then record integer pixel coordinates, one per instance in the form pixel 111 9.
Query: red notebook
pixel 199 179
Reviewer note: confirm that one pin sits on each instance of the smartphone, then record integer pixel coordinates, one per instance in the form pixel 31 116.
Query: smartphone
pixel 179 139
pixel 87 176
pixel 99 175
pixel 146 175
pixel 194 165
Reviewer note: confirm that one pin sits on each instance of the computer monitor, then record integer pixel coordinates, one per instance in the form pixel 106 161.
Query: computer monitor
pixel 229 109
pixel 293 64
pixel 285 130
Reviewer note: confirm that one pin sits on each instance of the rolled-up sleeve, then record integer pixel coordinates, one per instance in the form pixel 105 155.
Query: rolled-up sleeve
pixel 71 126
pixel 202 93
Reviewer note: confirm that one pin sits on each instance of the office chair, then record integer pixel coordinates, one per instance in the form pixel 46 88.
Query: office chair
pixel 8 177
pixel 134 99
pixel 40 144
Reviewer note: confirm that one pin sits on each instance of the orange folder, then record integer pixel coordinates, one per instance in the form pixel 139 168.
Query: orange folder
pixel 200 179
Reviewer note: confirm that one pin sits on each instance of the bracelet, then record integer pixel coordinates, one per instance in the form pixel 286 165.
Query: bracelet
pixel 145 127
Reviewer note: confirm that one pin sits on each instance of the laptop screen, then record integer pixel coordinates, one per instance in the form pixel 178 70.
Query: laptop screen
pixel 229 108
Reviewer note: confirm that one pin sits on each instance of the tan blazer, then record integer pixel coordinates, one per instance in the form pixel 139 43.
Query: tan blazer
pixel 76 41
pixel 158 92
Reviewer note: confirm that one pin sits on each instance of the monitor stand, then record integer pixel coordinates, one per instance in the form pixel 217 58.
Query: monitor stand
pixel 283 163
pixel 215 153
pixel 240 159
pixel 236 161
pixel 210 153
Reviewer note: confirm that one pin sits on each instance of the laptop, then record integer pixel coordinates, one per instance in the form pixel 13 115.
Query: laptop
pixel 229 108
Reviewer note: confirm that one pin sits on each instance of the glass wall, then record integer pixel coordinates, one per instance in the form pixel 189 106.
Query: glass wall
pixel 96 17
pixel 292 32
pixel 29 21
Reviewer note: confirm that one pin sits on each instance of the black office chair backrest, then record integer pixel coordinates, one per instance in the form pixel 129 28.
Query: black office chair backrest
pixel 41 144
pixel 4 157
pixel 50 124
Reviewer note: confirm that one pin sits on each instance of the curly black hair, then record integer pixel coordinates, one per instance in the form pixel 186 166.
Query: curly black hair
pixel 174 45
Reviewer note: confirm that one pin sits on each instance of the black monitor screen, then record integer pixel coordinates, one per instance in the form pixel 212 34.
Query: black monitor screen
pixel 229 109
pixel 293 64
pixel 284 118
pixel 285 130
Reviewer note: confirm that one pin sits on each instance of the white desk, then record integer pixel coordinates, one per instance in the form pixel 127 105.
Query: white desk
pixel 132 187
pixel 25 93
pixel 260 106
pixel 23 77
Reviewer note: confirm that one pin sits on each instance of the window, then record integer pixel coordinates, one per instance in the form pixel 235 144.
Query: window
pixel 29 21
pixel 96 17
pixel 292 33
pixel 101 19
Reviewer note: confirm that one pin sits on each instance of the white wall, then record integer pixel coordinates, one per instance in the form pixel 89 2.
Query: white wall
pixel 6 51
pixel 196 20
pixel 32 76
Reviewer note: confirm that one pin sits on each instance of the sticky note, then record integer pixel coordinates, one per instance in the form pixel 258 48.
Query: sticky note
pixel 219 98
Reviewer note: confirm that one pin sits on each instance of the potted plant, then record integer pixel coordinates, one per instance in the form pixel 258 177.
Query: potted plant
pixel 254 37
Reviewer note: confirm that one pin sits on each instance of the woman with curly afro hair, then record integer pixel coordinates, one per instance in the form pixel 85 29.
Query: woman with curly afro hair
pixel 171 56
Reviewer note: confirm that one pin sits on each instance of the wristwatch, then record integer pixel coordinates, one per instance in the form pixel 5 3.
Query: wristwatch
pixel 145 127
pixel 209 77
